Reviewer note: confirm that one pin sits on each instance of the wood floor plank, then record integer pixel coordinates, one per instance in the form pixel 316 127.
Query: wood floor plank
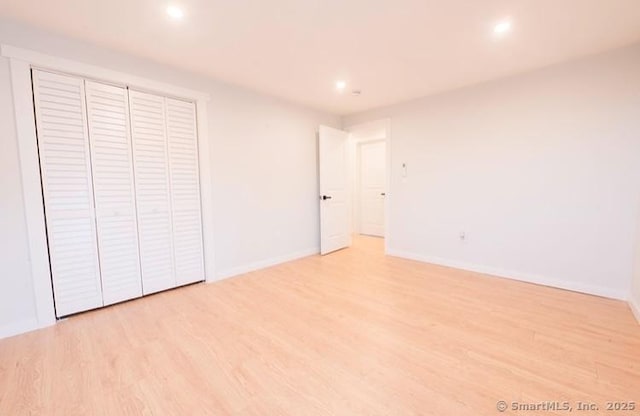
pixel 351 333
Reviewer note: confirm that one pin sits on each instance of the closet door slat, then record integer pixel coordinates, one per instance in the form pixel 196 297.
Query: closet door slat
pixel 65 166
pixel 185 191
pixel 113 183
pixel 153 192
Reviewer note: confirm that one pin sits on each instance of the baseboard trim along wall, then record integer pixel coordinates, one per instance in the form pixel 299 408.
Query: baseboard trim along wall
pixel 225 274
pixel 634 304
pixel 21 327
pixel 17 328
pixel 513 275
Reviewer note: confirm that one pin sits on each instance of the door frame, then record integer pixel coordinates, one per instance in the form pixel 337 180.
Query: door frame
pixel 374 130
pixel 357 185
pixel 21 61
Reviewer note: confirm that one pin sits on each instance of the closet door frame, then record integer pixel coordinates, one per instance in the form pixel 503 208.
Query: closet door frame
pixel 21 62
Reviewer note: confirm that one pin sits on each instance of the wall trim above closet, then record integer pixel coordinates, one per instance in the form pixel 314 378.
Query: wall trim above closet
pixel 21 62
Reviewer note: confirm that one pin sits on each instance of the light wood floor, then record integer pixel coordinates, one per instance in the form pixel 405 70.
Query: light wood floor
pixel 352 333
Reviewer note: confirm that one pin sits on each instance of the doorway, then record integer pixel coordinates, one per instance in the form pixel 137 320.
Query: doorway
pixel 353 180
pixel 370 171
pixel 370 191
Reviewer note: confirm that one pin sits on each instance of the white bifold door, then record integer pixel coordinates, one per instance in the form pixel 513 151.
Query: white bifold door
pixel 115 197
pixel 121 191
pixel 184 178
pixel 65 166
pixel 151 161
pixel 166 166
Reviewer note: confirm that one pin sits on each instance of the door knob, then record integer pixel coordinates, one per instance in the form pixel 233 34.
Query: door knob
pixel 325 197
pixel 383 194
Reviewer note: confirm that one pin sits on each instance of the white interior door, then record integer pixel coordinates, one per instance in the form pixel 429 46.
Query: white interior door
pixel 65 165
pixel 372 179
pixel 108 117
pixel 334 190
pixel 153 190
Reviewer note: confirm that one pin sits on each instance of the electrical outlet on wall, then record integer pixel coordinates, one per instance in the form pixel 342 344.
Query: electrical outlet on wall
pixel 463 236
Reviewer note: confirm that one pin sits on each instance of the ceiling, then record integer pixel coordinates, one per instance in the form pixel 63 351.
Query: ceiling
pixel 392 50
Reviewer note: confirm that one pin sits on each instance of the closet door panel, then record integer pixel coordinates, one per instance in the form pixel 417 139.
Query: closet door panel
pixel 153 194
pixel 185 191
pixel 65 165
pixel 111 154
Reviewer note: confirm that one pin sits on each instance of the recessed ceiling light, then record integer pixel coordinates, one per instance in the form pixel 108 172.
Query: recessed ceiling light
pixel 502 27
pixel 175 12
pixel 341 85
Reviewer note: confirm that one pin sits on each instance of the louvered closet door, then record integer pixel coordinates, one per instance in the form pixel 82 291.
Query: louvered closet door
pixel 65 166
pixel 185 191
pixel 111 154
pixel 153 198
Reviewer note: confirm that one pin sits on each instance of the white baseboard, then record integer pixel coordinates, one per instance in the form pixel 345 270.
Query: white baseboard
pixel 514 275
pixel 17 328
pixel 266 263
pixel 634 304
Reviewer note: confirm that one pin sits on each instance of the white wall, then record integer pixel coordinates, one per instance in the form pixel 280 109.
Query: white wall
pixel 541 171
pixel 263 157
pixel 634 298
